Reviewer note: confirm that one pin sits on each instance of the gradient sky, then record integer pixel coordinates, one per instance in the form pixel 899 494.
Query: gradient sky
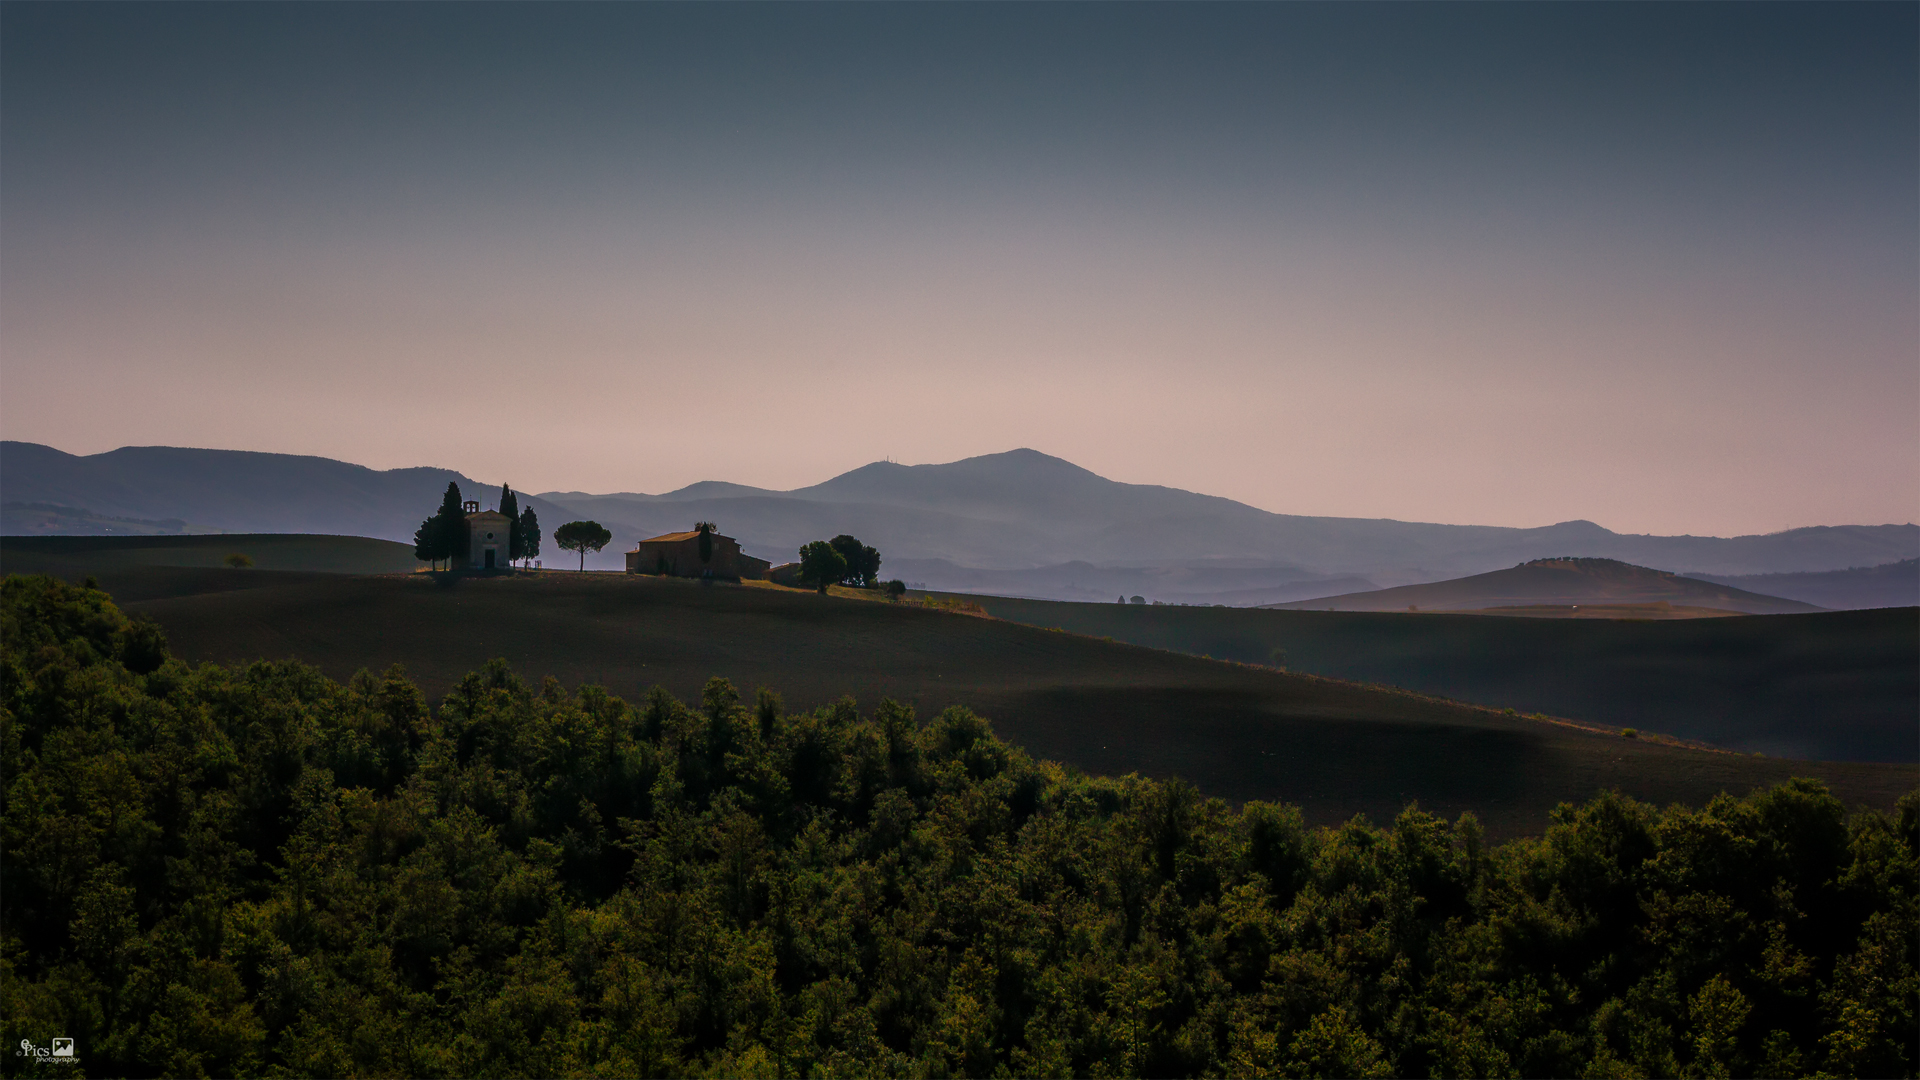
pixel 1657 266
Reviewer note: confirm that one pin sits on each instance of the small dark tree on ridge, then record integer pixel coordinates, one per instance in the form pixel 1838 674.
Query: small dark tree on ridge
pixel 706 530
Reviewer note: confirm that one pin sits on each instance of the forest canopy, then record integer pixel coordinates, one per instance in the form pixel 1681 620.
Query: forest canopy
pixel 251 870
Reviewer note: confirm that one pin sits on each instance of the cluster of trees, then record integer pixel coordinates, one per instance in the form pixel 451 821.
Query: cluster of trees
pixel 843 560
pixel 444 536
pixel 230 871
pixel 523 527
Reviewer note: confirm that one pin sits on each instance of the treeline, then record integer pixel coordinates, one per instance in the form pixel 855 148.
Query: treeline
pixel 235 871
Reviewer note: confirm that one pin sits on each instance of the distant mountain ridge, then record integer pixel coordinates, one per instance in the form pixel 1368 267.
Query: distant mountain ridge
pixel 235 491
pixel 1043 511
pixel 1016 511
pixel 1857 587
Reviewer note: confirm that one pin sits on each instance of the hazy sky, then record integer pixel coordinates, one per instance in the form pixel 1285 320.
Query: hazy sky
pixel 1654 265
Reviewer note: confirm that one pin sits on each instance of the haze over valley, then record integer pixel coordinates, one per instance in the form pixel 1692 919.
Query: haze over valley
pixel 1017 523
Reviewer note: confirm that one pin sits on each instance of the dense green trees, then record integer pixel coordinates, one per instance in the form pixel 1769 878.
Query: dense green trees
pixel 234 871
pixel 821 564
pixel 863 562
pixel 843 560
pixel 582 536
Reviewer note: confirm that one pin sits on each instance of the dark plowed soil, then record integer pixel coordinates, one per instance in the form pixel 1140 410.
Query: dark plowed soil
pixel 1237 731
pixel 1834 685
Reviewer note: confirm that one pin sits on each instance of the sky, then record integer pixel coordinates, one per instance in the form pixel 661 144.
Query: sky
pixel 1655 266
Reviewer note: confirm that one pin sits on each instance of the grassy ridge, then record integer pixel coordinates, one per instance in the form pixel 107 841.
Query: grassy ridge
pixel 1238 732
pixel 1827 685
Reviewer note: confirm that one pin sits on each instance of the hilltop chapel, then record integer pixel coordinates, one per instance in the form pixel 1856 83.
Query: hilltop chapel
pixel 487 539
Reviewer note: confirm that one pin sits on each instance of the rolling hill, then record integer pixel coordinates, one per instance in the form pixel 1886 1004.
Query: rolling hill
pixel 195 564
pixel 1830 684
pixel 1015 511
pixel 1539 586
pixel 1235 730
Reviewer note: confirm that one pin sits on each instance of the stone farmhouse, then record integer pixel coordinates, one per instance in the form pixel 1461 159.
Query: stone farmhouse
pixel 678 555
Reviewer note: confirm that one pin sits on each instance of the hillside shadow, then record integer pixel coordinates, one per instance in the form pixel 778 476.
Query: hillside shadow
pixel 1234 745
pixel 1238 732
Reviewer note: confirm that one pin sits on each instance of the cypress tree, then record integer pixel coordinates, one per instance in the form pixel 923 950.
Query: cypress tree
pixel 510 506
pixel 527 535
pixel 450 524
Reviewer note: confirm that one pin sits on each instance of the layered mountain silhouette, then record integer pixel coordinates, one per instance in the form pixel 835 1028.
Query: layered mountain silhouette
pixel 1006 522
pixel 1539 587
pixel 149 489
pixel 1892 585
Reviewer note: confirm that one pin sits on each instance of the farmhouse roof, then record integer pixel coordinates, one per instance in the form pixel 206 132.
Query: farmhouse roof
pixel 673 537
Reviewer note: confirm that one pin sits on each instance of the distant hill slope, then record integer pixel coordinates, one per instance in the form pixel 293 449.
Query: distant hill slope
pixel 47 519
pixel 1559 582
pixel 1891 585
pixel 1041 511
pixel 1024 510
pixel 1019 510
pixel 237 491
